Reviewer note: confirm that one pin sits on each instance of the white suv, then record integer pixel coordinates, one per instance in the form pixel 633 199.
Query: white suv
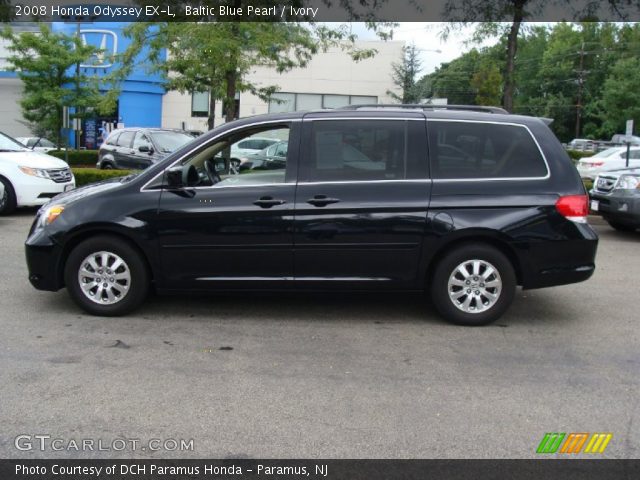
pixel 29 178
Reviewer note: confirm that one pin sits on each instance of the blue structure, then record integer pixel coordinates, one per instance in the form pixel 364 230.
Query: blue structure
pixel 140 100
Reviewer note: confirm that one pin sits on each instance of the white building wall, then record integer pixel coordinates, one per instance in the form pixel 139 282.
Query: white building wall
pixel 331 72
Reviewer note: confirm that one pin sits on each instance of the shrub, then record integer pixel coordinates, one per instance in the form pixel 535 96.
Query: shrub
pixel 588 184
pixel 92 175
pixel 77 157
pixel 578 154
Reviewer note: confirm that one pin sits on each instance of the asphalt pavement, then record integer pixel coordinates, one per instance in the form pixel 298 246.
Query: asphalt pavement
pixel 318 376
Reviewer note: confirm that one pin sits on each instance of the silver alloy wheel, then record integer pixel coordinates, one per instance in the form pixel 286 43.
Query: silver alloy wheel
pixel 474 286
pixel 104 278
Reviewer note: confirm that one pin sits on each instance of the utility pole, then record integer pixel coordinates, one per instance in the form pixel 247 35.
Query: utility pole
pixel 581 72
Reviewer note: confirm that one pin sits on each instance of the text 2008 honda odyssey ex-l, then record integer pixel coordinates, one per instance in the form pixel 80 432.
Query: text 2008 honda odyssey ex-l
pixel 460 203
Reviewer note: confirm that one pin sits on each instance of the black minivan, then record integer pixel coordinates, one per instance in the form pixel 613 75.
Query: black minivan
pixel 462 203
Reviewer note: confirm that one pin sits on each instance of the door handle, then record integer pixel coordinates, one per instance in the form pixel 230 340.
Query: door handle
pixel 322 200
pixel 268 202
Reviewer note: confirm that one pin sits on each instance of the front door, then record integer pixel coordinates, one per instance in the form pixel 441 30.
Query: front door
pixel 229 231
pixel 361 203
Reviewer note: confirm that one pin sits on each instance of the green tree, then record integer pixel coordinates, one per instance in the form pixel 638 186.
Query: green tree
pixel 45 62
pixel 405 75
pixel 216 57
pixel 488 83
pixel 621 96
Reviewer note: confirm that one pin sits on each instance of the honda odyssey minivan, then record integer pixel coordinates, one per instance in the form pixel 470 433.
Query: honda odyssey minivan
pixel 462 203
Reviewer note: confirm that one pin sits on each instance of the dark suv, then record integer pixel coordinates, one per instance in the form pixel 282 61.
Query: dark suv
pixel 138 148
pixel 463 204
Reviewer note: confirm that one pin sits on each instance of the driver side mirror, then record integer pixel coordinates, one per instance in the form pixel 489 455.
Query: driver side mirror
pixel 145 149
pixel 174 177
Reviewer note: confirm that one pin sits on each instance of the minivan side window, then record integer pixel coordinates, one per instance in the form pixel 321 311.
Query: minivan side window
pixel 125 138
pixel 467 150
pixel 361 150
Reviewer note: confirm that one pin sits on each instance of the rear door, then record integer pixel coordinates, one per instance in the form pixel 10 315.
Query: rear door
pixel 361 202
pixel 124 154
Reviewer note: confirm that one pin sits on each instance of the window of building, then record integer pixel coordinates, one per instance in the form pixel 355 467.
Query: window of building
pixel 291 102
pixel 335 101
pixel 200 104
pixel 282 102
pixel 366 150
pixel 483 150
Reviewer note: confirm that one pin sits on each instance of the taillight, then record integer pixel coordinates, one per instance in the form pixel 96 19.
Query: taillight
pixel 574 207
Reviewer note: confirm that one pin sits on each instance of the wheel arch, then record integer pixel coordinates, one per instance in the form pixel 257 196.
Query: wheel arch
pixel 473 237
pixel 86 234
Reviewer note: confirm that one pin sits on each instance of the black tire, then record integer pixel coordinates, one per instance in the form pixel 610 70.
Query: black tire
pixel 138 286
pixel 446 267
pixel 623 227
pixel 107 166
pixel 8 202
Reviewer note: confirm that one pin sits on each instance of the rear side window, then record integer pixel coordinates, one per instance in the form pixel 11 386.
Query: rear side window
pixel 360 150
pixel 462 150
pixel 125 138
pixel 113 138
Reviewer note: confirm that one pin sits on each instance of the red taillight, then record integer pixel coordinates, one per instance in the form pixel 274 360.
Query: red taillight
pixel 574 207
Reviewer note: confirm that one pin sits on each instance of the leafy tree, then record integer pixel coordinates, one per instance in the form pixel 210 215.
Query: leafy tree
pixel 45 62
pixel 621 96
pixel 453 79
pixel 488 83
pixel 216 57
pixel 405 74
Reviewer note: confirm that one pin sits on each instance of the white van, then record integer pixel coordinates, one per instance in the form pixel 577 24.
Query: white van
pixel 29 178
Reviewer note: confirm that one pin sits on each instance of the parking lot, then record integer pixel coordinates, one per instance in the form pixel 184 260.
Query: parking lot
pixel 318 376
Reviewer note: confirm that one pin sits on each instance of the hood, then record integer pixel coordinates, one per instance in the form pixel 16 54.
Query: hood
pixel 86 191
pixel 29 158
pixel 622 171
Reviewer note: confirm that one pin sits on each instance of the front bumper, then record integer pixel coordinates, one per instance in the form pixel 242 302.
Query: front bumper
pixel 619 206
pixel 33 191
pixel 44 261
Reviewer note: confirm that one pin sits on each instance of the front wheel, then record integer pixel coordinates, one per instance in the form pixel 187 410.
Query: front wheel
pixel 8 201
pixel 106 276
pixel 473 285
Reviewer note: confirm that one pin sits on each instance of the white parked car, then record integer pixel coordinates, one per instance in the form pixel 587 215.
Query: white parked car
pixel 37 144
pixel 29 178
pixel 609 159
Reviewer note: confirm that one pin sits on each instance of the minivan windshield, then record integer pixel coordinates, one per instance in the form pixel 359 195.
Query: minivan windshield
pixel 8 144
pixel 168 142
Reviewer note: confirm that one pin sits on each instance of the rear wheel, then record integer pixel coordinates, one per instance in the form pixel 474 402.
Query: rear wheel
pixel 473 285
pixel 8 200
pixel 623 227
pixel 107 166
pixel 106 276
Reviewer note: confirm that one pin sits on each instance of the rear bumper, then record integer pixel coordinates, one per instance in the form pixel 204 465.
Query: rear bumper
pixel 561 262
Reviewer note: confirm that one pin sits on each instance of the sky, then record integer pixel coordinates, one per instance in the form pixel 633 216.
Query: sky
pixel 426 36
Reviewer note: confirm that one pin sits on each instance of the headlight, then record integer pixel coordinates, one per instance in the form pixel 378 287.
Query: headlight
pixel 629 182
pixel 49 215
pixel 35 172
